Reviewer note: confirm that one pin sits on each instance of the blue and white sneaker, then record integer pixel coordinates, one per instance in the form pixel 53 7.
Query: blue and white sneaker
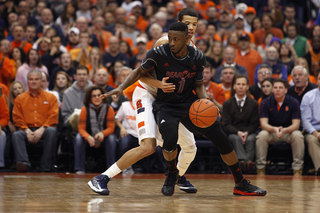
pixel 99 183
pixel 185 185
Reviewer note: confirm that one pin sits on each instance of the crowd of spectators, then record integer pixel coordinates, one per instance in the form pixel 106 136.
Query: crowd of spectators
pixel 57 57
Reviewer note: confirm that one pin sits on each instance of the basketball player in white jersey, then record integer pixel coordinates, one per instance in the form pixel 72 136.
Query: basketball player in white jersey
pixel 142 99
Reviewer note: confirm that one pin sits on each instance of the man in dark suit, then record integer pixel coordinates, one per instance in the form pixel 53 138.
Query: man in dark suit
pixel 241 121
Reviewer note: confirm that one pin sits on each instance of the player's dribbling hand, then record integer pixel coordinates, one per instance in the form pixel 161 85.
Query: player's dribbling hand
pixel 167 87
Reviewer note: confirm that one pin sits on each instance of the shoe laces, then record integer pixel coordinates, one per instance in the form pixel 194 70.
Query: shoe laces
pixel 171 178
pixel 247 185
pixel 103 181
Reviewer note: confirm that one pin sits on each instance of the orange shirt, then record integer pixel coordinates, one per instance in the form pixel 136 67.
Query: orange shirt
pixel 227 93
pixel 217 92
pixel 141 24
pixel 129 91
pixel 4 112
pixel 103 39
pixel 83 123
pixel 250 60
pixel 202 8
pixel 26 46
pixel 75 52
pixel 259 34
pixel 150 44
pixel 5 70
pixel 5 89
pixel 311 78
pixel 35 111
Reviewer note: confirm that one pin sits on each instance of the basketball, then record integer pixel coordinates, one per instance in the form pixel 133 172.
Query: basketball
pixel 203 113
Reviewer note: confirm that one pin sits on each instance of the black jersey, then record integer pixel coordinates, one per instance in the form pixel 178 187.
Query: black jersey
pixel 181 72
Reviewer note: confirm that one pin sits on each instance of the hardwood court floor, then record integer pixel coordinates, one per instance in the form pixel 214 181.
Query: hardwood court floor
pixel 59 192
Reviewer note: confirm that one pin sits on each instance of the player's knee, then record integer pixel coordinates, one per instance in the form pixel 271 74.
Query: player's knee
pixel 170 136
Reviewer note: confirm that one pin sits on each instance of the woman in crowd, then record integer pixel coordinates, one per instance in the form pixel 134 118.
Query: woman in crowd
pixel 62 82
pixel 202 45
pixel 113 74
pixel 125 48
pixel 96 127
pixel 232 40
pixel 16 89
pixel 66 66
pixel 285 57
pixel 33 62
pixel 266 43
pixel 18 58
pixel 256 24
pixel 266 87
pixel 214 54
pixel 95 62
pixel 67 17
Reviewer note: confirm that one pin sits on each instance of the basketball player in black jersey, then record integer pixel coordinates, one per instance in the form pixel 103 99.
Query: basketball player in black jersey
pixel 183 65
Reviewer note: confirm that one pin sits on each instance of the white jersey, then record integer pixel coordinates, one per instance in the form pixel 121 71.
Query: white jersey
pixel 151 89
pixel 127 115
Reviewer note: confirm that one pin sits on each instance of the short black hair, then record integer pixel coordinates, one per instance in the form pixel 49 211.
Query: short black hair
pixel 188 12
pixel 281 80
pixel 179 26
pixel 82 67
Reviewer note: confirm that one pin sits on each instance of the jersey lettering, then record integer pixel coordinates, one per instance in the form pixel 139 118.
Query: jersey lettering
pixel 139 104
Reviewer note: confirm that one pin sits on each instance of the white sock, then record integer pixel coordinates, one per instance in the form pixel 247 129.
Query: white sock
pixel 112 171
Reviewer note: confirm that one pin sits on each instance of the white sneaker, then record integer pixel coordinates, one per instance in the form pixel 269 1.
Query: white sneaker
pixel 128 170
pixel 80 172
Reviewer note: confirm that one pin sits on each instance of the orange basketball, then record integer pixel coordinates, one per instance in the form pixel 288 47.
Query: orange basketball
pixel 203 113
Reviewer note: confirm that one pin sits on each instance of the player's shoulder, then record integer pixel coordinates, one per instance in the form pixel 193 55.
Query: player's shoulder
pixel 196 53
pixel 162 50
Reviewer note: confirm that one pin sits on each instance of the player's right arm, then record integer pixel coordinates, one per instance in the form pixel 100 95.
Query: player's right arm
pixel 132 78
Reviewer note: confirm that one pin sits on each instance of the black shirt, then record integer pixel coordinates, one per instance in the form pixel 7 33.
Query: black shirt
pixel 292 92
pixel 181 72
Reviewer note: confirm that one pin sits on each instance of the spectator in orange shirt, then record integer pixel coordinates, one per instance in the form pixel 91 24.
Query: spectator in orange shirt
pixel 137 11
pixel 202 7
pixel 214 91
pixel 4 120
pixel 239 25
pixel 247 57
pixel 7 72
pixel 266 28
pixel 36 114
pixel 81 54
pixel 18 33
pixel 73 38
pixel 101 34
pixel 155 32
pixel 227 75
pixel 96 127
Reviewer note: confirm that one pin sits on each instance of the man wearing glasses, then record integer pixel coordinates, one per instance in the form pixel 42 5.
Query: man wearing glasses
pixel 264 71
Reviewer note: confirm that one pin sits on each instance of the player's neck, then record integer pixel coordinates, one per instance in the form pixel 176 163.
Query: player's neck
pixel 182 53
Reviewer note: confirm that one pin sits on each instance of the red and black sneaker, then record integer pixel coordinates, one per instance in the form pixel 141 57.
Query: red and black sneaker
pixel 245 188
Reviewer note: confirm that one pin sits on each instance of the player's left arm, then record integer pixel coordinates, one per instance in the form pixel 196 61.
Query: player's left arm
pixel 200 90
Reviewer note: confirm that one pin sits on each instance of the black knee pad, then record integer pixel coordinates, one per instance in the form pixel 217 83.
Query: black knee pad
pixel 169 134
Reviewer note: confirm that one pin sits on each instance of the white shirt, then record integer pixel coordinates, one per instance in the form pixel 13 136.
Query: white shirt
pixel 127 115
pixel 243 100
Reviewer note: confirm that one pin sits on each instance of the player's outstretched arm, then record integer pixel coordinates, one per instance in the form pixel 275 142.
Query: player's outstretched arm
pixel 200 90
pixel 135 75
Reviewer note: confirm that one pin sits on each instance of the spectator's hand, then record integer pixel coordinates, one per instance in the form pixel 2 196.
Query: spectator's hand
pixel 277 131
pixel 38 134
pixel 123 132
pixel 99 136
pixel 167 87
pixel 30 137
pixel 12 128
pixel 319 135
pixel 243 136
pixel 91 141
pixel 53 50
pixel 282 131
pixel 210 95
